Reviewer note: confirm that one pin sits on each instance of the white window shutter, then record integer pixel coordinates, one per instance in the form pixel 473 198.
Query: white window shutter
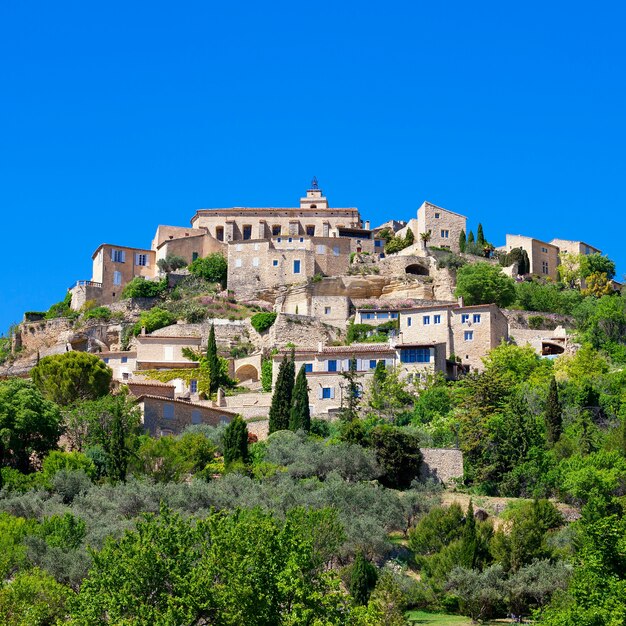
pixel 321 393
pixel 123 256
pixel 332 392
pixel 112 255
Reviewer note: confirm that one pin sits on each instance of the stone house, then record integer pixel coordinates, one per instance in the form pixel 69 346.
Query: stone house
pixel 188 243
pixel 167 416
pixel 123 364
pixel 445 226
pixel 566 246
pixel 468 332
pixel 543 256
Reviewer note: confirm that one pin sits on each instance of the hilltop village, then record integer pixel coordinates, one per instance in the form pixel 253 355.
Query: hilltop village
pixel 320 282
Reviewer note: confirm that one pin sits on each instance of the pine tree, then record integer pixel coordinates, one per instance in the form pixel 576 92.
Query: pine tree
pixel 469 539
pixel 409 238
pixel 281 400
pixel 300 416
pixel 363 579
pixel 462 241
pixel 480 236
pixel 554 414
pixel 213 362
pixel 470 237
pixel 236 441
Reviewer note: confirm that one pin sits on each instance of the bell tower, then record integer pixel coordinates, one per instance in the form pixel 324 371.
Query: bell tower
pixel 314 198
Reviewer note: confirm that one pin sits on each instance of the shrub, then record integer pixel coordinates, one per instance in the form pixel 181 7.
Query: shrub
pixel 266 374
pixel 451 261
pixel 139 287
pixel 262 321
pixel 171 263
pixel 61 309
pixel 482 283
pixel 98 313
pixel 213 268
pixel 536 321
pixel 153 320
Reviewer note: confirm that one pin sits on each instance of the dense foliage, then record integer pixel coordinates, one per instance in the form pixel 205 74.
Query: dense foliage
pixel 212 268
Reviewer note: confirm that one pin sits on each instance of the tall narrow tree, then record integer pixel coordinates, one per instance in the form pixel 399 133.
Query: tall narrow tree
pixel 236 442
pixel 351 397
pixel 470 237
pixel 554 414
pixel 480 236
pixel 281 399
pixel 363 579
pixel 462 241
pixel 213 362
pixel 300 416
pixel 469 541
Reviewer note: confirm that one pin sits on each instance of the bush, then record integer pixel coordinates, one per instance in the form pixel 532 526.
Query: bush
pixel 262 321
pixel 451 261
pixel 98 313
pixel 482 283
pixel 61 309
pixel 139 287
pixel 266 374
pixel 536 321
pixel 153 320
pixel 171 263
pixel 213 268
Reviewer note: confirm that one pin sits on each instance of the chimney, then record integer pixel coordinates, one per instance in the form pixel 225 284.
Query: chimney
pixel 320 346
pixel 367 225
pixel 460 301
pixel 143 331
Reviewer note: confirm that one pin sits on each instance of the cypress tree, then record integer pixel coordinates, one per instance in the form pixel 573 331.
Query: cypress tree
pixel 470 237
pixel 281 400
pixel 525 267
pixel 480 236
pixel 462 241
pixel 363 579
pixel 300 416
pixel 236 441
pixel 213 362
pixel 469 539
pixel 554 414
pixel 409 238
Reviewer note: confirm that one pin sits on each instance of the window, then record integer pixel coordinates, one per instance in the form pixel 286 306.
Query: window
pixel 279 239
pixel 436 216
pixel 308 367
pixel 321 249
pixel 168 353
pixel 255 261
pixel 296 266
pixel 436 319
pixel 408 321
pixel 301 239
pixel 468 335
pixel 118 256
pixel 276 230
pixel 275 262
pixel 194 256
pixel 168 411
pixel 326 310
pixel 426 320
pixel 290 240
pixel 476 318
pixel 544 249
pixel 117 278
pixel 445 234
pixel 247 231
pixel 106 360
pixel 237 262
pixel 196 417
pixel 544 267
pixel 336 250
pixel 368 316
pixel 125 376
pixel 378 243
pixel 193 386
pixel 124 359
pixel 383 316
pixel 415 355
pixel 310 231
pixel 219 233
pixel 372 364
pixel 327 393
pixel 332 365
pixel 141 259
pixel 394 316
pixel 464 318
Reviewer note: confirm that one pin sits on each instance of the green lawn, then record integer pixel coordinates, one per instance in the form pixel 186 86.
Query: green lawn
pixel 440 619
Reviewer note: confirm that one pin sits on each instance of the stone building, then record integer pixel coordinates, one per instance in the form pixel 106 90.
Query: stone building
pixel 158 352
pixel 468 332
pixel 543 256
pixel 167 416
pixel 123 364
pixel 187 243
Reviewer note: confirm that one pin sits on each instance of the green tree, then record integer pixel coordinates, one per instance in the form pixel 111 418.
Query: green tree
pixel 262 321
pixel 597 264
pixel 387 394
pixel 409 237
pixel 171 263
pixel 479 593
pixel 30 425
pixel 470 237
pixel 267 366
pixel 139 287
pixel 351 396
pixel 71 376
pixel 235 442
pixel 280 407
pixel 480 236
pixel 482 283
pixel 398 453
pixel 212 361
pixel 153 319
pixel 300 415
pixel 212 268
pixel 598 285
pixel 469 540
pixel 554 413
pixel 462 241
pixel 363 577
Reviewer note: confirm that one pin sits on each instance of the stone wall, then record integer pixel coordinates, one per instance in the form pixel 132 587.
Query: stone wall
pixel 442 465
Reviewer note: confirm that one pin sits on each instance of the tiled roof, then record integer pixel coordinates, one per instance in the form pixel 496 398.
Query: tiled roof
pixel 354 348
pixel 120 353
pixel 150 383
pixel 217 409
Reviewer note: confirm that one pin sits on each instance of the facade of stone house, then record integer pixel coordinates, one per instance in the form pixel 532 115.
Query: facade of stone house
pixel 445 226
pixel 123 364
pixel 468 332
pixel 167 416
pixel 543 256
pixel 165 352
pixel 190 246
pixel 139 388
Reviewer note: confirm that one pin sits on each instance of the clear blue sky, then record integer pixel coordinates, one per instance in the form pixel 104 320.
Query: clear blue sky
pixel 116 117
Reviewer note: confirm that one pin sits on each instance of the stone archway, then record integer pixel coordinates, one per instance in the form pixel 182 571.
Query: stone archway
pixel 416 269
pixel 247 373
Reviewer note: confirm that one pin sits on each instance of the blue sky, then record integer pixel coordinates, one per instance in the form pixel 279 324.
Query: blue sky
pixel 116 117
